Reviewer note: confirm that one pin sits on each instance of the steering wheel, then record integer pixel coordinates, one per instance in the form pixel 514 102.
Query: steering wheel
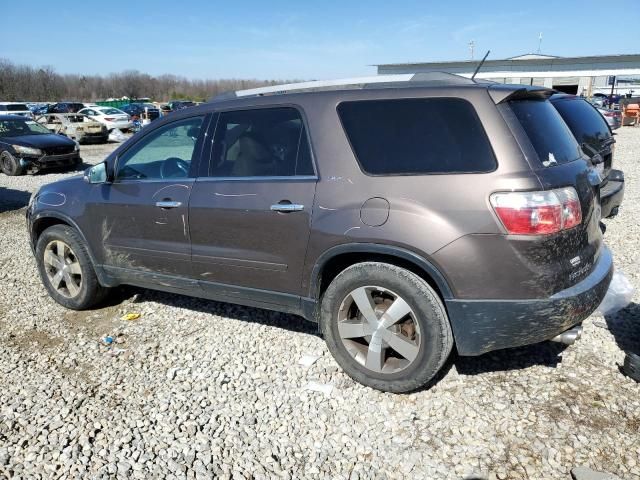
pixel 174 167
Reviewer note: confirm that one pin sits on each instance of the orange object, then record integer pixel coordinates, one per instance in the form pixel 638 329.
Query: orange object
pixel 632 111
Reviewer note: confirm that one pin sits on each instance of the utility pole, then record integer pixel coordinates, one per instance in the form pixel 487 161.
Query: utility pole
pixel 472 45
pixel 613 85
pixel 540 42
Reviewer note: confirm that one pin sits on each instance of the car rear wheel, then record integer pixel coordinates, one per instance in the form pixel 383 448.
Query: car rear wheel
pixel 386 327
pixel 66 269
pixel 10 164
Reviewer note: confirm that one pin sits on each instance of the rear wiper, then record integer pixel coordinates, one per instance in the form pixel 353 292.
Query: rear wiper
pixel 597 158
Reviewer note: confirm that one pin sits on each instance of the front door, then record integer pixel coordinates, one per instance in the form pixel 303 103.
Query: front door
pixel 144 213
pixel 250 215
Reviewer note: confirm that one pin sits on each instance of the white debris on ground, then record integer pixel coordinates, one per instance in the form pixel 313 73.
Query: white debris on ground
pixel 204 389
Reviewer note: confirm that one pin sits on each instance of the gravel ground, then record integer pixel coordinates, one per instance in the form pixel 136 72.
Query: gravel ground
pixel 196 389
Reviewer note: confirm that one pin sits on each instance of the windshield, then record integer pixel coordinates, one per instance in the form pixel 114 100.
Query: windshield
pixel 549 135
pixel 17 128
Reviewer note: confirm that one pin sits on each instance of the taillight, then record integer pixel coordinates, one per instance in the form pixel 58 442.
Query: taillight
pixel 538 213
pixel 109 119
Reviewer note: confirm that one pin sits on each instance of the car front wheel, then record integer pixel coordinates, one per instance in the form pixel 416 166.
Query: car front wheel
pixel 386 327
pixel 10 165
pixel 66 269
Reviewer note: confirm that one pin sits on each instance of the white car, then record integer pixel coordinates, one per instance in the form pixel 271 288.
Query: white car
pixel 110 117
pixel 15 108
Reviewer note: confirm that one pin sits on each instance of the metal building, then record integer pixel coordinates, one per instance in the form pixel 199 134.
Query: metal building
pixel 578 75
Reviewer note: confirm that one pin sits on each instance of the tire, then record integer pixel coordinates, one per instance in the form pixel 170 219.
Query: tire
pixel 418 324
pixel 77 287
pixel 10 165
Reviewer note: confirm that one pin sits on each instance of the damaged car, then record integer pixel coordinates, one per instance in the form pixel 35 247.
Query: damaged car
pixel 407 216
pixel 76 126
pixel 28 147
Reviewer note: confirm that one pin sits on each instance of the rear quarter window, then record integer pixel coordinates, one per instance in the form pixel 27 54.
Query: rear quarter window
pixel 548 133
pixel 417 136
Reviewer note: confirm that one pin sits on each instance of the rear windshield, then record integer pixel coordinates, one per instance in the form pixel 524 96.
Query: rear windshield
pixel 585 122
pixel 551 138
pixel 417 136
pixel 16 107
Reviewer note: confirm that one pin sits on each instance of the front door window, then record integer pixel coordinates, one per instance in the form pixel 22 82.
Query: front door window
pixel 166 153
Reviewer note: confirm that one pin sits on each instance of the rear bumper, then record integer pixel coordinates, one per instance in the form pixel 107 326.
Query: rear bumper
pixel 480 326
pixel 612 194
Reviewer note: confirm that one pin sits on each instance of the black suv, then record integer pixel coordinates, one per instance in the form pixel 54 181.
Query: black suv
pixel 594 135
pixel 404 217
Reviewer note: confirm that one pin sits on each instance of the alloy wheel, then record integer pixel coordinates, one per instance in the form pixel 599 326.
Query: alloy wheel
pixel 63 268
pixel 379 329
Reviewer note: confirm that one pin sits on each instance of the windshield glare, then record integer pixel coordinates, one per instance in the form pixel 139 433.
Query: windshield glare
pixel 17 128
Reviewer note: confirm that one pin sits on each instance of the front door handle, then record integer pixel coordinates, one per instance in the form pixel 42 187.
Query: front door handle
pixel 286 207
pixel 168 204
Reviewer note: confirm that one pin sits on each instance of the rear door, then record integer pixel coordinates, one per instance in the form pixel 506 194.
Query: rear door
pixel 558 161
pixel 250 213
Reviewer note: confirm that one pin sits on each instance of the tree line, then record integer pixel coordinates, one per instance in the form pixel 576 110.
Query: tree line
pixel 44 84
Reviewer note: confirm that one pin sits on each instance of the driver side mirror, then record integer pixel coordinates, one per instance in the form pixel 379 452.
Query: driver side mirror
pixel 97 174
pixel 193 132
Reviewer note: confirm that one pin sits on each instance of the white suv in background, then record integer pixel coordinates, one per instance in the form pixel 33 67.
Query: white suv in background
pixel 15 108
pixel 109 116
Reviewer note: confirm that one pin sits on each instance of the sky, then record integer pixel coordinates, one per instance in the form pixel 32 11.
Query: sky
pixel 294 39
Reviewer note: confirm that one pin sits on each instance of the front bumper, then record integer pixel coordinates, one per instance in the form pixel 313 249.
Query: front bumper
pixel 480 326
pixel 612 194
pixel 34 164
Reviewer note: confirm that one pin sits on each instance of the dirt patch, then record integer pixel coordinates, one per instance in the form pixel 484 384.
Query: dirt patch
pixel 95 322
pixel 42 340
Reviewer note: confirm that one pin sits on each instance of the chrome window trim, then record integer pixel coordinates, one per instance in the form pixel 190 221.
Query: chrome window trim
pixel 260 178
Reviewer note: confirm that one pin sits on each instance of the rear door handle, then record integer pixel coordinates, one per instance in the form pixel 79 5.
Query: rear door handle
pixel 168 204
pixel 287 207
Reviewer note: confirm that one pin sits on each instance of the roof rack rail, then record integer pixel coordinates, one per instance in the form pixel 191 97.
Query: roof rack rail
pixel 377 81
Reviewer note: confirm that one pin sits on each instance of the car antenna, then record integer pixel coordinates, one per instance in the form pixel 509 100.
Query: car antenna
pixel 480 64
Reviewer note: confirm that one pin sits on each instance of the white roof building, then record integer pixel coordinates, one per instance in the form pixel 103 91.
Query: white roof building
pixel 578 75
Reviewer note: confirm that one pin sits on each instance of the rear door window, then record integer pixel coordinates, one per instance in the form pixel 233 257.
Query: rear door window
pixel 548 133
pixel 585 122
pixel 265 142
pixel 417 136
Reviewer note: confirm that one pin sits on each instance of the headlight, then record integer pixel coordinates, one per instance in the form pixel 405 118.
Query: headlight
pixel 27 150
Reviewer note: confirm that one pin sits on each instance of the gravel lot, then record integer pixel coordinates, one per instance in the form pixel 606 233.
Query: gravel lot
pixel 195 389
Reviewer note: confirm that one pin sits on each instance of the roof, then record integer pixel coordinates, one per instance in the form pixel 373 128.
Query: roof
pixel 378 81
pixel 530 58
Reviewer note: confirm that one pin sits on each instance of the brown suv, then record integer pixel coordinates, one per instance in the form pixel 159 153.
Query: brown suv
pixel 405 217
